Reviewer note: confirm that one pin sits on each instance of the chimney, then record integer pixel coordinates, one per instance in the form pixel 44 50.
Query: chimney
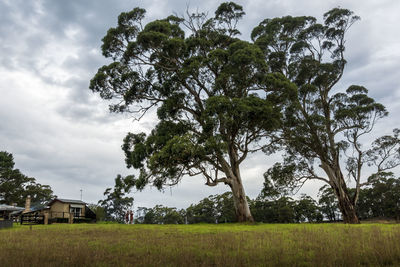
pixel 27 204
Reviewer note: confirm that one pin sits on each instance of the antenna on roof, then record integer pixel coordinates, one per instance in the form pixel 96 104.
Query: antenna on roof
pixel 81 194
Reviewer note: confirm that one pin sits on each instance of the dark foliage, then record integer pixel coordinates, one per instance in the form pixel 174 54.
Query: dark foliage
pixel 15 187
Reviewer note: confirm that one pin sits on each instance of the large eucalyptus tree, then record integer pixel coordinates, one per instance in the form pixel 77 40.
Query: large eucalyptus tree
pixel 324 125
pixel 214 95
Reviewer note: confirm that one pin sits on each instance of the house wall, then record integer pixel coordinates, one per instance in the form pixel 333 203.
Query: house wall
pixel 59 210
pixel 62 210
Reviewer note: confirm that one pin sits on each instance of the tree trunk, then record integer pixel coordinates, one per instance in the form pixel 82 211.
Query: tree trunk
pixel 242 209
pixel 346 206
pixel 234 180
pixel 338 184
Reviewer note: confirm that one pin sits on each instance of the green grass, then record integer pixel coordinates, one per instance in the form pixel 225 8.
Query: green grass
pixel 201 245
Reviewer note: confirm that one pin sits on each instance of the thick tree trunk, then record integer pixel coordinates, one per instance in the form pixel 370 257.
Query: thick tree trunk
pixel 242 209
pixel 346 206
pixel 234 180
pixel 338 184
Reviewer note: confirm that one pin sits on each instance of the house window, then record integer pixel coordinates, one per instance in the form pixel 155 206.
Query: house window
pixel 76 211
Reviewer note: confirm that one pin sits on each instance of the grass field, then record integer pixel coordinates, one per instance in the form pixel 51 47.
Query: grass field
pixel 201 245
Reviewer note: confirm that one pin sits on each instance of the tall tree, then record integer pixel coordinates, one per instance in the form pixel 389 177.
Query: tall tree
pixel 15 187
pixel 214 96
pixel 323 121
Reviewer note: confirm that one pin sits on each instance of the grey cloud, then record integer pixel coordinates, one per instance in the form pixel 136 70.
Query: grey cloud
pixel 64 136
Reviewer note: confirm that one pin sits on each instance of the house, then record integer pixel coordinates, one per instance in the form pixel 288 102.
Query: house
pixel 6 210
pixel 63 208
pixel 59 210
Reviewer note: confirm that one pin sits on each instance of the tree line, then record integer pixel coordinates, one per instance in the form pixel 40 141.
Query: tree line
pixel 381 200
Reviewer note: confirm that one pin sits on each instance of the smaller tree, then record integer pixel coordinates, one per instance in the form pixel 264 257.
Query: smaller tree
pixel 160 214
pixel 224 206
pixel 169 215
pixel 203 212
pixel 15 187
pixel 328 203
pixel 116 203
pixel 306 210
pixel 381 199
pixel 284 210
pixel 279 210
pixel 99 211
pixel 141 212
pixel 150 217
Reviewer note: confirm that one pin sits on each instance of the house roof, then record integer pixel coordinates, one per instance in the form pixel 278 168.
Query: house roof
pixel 39 207
pixel 10 208
pixel 70 201
pixel 34 208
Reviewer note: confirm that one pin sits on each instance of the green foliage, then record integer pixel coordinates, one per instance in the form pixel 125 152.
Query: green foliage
pixel 381 199
pixel 319 125
pixel 15 187
pixel 116 202
pixel 99 211
pixel 212 91
pixel 224 208
pixel 160 215
pixel 204 212
pixel 278 211
pixel 213 209
pixel 328 203
pixel 307 210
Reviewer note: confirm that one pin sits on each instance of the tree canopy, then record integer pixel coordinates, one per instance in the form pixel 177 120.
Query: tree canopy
pixel 216 99
pixel 324 125
pixel 219 98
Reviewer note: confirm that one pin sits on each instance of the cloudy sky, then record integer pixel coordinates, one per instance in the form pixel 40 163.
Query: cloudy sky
pixel 62 134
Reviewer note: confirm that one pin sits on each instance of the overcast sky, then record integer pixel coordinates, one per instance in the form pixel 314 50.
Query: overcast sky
pixel 62 134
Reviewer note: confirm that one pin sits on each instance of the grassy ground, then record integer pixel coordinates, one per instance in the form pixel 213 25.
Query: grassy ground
pixel 201 245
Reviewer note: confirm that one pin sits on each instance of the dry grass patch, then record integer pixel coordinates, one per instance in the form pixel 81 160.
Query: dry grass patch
pixel 201 245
